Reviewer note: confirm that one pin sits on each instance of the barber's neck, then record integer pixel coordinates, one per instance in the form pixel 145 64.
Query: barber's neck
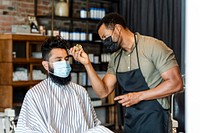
pixel 127 40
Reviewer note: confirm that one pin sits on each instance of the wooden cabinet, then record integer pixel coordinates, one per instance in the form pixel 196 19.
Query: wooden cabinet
pixel 17 55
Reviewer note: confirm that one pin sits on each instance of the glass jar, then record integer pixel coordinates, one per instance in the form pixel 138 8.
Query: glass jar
pixel 62 8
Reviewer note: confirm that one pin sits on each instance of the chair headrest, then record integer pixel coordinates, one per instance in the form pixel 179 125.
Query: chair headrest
pixel 179 110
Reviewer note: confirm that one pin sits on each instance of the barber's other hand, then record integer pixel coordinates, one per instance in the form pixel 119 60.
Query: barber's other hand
pixel 79 55
pixel 128 99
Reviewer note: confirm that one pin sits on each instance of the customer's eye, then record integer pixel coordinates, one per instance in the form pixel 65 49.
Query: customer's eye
pixel 58 60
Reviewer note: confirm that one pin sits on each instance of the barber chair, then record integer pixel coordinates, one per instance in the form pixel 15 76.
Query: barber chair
pixel 178 112
pixel 7 124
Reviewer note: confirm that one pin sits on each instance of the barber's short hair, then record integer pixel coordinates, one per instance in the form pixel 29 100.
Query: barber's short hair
pixel 111 19
pixel 51 43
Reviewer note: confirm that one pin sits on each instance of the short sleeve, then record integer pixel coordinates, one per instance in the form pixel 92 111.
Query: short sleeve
pixel 111 65
pixel 163 57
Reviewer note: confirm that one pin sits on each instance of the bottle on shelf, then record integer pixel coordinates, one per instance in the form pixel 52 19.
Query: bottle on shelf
pixel 62 8
pixel 83 13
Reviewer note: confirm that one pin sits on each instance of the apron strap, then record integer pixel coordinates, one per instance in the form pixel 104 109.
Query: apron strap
pixel 136 44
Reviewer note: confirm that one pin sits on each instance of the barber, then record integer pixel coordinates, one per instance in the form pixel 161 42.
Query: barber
pixel 146 70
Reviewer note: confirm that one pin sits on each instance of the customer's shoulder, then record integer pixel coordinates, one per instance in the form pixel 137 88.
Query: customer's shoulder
pixel 39 87
pixel 77 86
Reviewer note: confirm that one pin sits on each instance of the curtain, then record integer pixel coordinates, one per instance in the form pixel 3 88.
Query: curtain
pixel 157 18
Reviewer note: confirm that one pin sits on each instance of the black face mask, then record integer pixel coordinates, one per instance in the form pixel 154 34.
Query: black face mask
pixel 111 46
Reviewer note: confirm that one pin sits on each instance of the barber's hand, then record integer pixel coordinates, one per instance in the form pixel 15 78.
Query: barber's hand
pixel 79 55
pixel 128 99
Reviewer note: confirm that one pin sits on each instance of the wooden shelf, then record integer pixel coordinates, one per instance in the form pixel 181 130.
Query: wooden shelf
pixel 19 37
pixel 69 18
pixel 25 83
pixel 26 61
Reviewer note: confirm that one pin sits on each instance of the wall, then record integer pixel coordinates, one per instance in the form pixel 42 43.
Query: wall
pixel 16 11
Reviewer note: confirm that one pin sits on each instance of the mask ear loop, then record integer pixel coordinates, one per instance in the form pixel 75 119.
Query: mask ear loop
pixel 118 35
pixel 49 70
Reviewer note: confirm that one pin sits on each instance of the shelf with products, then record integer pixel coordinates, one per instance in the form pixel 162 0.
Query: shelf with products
pixel 78 29
pixel 21 68
pixel 94 11
pixel 68 18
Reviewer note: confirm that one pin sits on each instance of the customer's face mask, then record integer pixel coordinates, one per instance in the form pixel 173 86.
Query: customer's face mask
pixel 61 69
pixel 111 45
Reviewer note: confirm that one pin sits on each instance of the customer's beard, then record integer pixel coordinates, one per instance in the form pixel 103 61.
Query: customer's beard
pixel 59 80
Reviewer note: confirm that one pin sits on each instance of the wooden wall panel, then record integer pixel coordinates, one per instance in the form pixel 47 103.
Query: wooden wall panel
pixel 6 97
pixel 6 73
pixel 5 50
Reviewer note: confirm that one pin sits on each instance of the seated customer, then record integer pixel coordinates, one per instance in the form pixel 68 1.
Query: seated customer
pixel 57 105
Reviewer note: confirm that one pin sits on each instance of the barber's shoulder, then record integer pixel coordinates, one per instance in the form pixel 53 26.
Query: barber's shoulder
pixel 149 43
pixel 148 40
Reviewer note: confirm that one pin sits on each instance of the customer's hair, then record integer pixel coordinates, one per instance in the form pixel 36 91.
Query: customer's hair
pixel 51 43
pixel 110 20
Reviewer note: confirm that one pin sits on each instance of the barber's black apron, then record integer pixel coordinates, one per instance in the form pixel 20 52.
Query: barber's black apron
pixel 146 116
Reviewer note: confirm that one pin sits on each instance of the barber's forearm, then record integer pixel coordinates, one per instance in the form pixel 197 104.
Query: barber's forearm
pixel 172 83
pixel 96 81
pixel 163 90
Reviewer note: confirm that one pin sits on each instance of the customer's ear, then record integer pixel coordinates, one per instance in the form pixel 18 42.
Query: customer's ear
pixel 45 65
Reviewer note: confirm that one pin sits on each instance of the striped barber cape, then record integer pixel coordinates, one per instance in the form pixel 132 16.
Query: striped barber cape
pixel 52 108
